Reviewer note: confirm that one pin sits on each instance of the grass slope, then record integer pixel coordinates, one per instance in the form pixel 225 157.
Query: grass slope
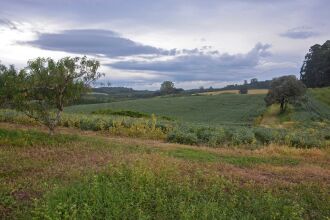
pixel 321 94
pixel 211 110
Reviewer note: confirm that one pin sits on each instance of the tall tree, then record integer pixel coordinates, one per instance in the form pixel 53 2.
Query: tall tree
pixel 284 90
pixel 315 71
pixel 46 86
pixel 167 87
pixel 8 85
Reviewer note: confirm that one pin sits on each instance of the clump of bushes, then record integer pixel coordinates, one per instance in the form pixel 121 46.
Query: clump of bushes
pixel 264 135
pixel 133 114
pixel 303 137
pixel 128 113
pixel 182 137
pixel 303 140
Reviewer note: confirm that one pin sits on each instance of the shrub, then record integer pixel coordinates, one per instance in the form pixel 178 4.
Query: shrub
pixel 303 140
pixel 182 137
pixel 211 137
pixel 241 135
pixel 264 135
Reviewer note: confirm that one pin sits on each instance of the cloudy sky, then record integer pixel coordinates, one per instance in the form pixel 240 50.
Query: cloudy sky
pixel 141 43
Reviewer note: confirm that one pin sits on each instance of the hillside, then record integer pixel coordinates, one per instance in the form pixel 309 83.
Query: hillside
pixel 217 109
pixel 321 94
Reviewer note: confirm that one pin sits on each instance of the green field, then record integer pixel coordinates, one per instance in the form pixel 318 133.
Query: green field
pixel 209 110
pixel 111 161
pixel 89 176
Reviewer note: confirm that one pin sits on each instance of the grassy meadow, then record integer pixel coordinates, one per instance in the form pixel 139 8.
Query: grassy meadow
pixel 209 110
pixel 223 156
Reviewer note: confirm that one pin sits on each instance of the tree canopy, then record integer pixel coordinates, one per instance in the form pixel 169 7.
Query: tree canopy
pixel 167 87
pixel 8 85
pixel 284 90
pixel 45 86
pixel 315 71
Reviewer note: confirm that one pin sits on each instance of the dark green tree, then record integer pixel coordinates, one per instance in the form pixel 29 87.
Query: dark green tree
pixel 284 90
pixel 8 85
pixel 167 87
pixel 315 71
pixel 45 86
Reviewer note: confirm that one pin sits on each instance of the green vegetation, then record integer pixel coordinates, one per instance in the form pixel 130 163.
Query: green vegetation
pixel 305 125
pixel 252 163
pixel 315 71
pixel 321 94
pixel 89 177
pixel 32 138
pixel 44 87
pixel 241 161
pixel 221 109
pixel 284 90
pixel 137 193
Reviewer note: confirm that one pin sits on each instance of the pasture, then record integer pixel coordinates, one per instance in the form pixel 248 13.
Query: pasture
pixel 229 109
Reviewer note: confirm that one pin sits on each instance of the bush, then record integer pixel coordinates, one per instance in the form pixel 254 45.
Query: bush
pixel 264 135
pixel 241 136
pixel 182 137
pixel 303 140
pixel 211 137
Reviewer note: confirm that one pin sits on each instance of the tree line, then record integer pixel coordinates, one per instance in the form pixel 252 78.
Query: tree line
pixel 315 71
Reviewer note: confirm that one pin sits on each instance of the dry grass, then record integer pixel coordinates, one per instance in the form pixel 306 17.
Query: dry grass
pixel 257 91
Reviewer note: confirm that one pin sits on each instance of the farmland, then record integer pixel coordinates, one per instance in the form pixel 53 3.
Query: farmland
pixel 199 157
pixel 219 109
pixel 85 175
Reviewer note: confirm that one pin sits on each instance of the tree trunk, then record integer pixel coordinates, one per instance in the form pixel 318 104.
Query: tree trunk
pixel 282 105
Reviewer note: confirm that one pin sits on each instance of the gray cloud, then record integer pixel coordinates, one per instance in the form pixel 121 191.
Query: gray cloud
pixel 93 41
pixel 202 66
pixel 300 33
pixel 7 23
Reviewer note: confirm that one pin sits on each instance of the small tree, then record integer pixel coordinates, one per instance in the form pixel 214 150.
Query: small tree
pixel 284 90
pixel 46 86
pixel 167 87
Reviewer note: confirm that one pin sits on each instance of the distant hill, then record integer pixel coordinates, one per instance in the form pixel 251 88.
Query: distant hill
pixel 112 94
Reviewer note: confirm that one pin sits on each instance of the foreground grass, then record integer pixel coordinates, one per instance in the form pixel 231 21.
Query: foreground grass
pixel 86 176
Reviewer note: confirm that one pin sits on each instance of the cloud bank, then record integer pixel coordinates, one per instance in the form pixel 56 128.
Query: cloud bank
pixel 93 41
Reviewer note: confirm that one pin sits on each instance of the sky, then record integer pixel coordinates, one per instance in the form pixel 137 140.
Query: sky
pixel 141 43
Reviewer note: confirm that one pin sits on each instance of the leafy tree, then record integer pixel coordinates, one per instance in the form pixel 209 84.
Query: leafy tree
pixel 8 85
pixel 46 86
pixel 284 90
pixel 315 71
pixel 167 87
